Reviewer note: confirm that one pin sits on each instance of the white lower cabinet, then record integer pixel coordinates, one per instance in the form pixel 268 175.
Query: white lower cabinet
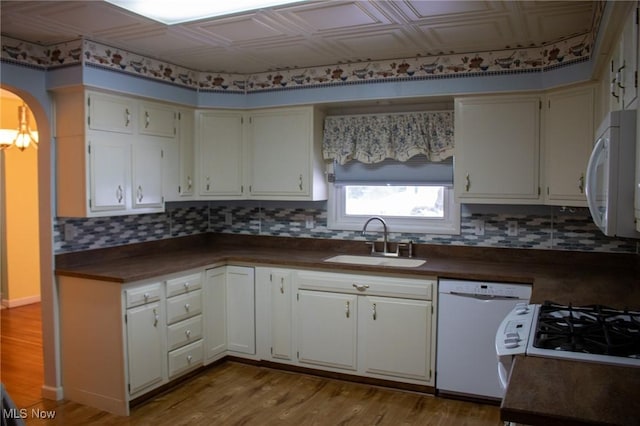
pixel 241 323
pixel 120 342
pixel 142 335
pixel 184 324
pixel 281 310
pixel 215 313
pixel 145 344
pixel 375 326
pixel 230 324
pixel 327 329
pixel 396 336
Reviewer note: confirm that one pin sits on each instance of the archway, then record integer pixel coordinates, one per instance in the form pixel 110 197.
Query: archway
pixel 51 388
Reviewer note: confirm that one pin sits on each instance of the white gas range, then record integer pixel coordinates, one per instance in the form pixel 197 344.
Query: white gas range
pixel 583 333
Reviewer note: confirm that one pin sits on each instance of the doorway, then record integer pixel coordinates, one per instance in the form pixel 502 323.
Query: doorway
pixel 22 355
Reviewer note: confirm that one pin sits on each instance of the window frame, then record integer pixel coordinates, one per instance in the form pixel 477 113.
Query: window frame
pixel 337 219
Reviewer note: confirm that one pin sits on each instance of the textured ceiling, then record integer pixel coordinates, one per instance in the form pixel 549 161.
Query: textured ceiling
pixel 313 33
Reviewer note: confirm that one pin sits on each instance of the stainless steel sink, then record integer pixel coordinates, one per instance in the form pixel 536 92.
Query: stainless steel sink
pixel 400 262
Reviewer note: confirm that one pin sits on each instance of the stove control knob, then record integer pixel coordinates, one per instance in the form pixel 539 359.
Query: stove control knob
pixel 510 344
pixel 521 310
pixel 513 335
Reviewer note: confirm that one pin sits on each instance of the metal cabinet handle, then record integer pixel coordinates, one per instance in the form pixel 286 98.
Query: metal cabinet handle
pixel 208 182
pixel 581 183
pixel 140 194
pixel 187 307
pixel 467 186
pixel 186 286
pixel 146 297
pixel 619 77
pixel 127 117
pixel 282 285
pixel 300 183
pixel 613 88
pixel 146 119
pixel 156 317
pixel 347 308
pixel 360 287
pixel 188 333
pixel 189 183
pixel 119 193
pixel 375 314
pixel 189 358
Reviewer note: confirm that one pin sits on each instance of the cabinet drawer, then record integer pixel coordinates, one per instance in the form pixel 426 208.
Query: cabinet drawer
pixel 184 332
pixel 141 295
pixel 365 284
pixel 184 284
pixel 184 306
pixel 185 358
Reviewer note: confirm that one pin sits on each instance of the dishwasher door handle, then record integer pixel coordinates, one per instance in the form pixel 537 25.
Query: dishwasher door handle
pixel 483 296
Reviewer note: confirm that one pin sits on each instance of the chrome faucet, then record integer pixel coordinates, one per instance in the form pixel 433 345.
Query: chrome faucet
pixel 384 226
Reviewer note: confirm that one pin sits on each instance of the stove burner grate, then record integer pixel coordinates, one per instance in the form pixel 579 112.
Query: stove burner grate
pixel 593 329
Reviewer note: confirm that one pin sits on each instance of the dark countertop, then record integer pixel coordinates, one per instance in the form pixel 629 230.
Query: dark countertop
pixel 563 277
pixel 571 393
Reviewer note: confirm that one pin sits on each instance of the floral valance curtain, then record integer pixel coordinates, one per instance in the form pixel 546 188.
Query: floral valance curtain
pixel 373 138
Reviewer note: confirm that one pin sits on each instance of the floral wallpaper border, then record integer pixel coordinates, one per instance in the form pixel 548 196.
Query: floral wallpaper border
pixel 86 52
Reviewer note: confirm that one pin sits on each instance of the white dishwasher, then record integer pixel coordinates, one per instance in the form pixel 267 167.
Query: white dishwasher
pixel 469 313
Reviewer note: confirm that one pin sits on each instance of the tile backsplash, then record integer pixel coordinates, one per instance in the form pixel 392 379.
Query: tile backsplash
pixel 539 227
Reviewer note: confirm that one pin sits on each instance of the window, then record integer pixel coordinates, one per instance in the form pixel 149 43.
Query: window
pixel 415 196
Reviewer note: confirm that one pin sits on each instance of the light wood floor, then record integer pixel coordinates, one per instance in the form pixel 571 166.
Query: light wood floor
pixel 21 368
pixel 240 394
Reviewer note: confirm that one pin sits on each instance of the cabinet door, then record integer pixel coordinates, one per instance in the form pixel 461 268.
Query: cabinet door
pixel 157 120
pixel 147 173
pixel 569 131
pixel 615 76
pixel 145 346
pixel 109 172
pixel 187 157
pixel 110 113
pixel 281 315
pixel 396 336
pixel 327 332
pixel 280 152
pixel 497 149
pixel 215 313
pixel 220 139
pixel 629 51
pixel 241 322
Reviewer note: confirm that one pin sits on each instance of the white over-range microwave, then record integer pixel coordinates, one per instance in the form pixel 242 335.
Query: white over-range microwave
pixel 610 177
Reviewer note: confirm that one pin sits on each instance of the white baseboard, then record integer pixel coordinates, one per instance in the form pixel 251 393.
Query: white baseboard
pixel 52 393
pixel 13 303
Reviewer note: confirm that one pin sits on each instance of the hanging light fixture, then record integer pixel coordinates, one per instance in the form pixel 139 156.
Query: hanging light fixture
pixel 21 138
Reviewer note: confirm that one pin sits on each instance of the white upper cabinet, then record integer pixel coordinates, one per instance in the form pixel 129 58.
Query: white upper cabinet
pixel 497 143
pixel 284 154
pixel 629 62
pixel 110 113
pixel 178 160
pixel 157 120
pixel 220 154
pixel 147 173
pixel 568 138
pixel 270 154
pixel 106 165
pixel 624 64
pixel 109 181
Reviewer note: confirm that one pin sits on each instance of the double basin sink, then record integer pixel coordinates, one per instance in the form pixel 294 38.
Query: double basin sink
pixel 400 262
